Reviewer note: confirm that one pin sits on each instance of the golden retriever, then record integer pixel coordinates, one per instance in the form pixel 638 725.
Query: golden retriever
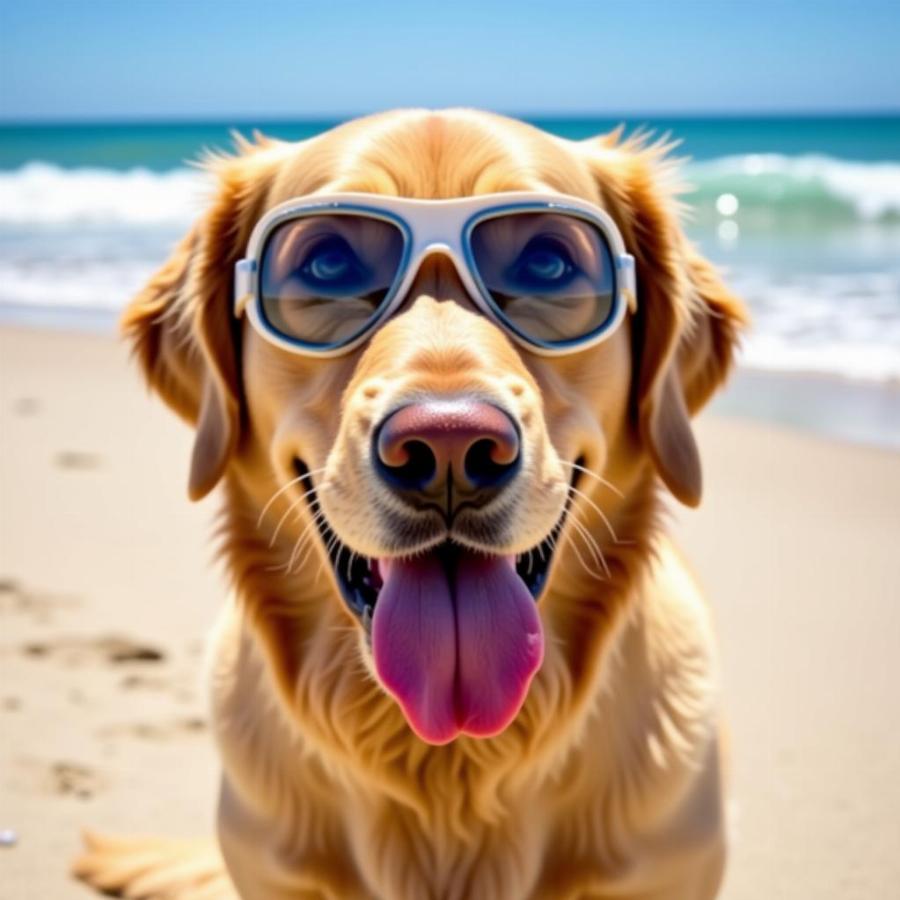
pixel 607 782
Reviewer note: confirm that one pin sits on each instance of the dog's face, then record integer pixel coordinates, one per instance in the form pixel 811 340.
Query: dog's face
pixel 437 470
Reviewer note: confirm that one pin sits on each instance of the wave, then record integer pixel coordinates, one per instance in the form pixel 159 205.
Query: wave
pixel 826 323
pixel 74 283
pixel 88 238
pixel 765 189
pixel 771 189
pixel 41 194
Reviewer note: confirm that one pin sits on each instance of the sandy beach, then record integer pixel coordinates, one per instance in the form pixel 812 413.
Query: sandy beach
pixel 107 589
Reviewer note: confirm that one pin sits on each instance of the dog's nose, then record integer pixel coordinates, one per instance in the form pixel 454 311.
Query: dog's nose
pixel 447 450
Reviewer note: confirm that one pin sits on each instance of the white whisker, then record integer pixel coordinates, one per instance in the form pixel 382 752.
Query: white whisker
pixel 591 544
pixel 332 543
pixel 306 535
pixel 577 552
pixel 285 487
pixel 293 505
pixel 302 562
pixel 599 511
pixel 593 474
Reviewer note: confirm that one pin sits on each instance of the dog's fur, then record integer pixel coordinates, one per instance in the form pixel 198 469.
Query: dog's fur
pixel 609 781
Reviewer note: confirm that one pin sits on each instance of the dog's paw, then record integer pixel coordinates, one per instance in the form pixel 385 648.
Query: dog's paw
pixel 153 868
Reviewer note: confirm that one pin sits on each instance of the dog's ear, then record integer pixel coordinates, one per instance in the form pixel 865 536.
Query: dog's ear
pixel 682 355
pixel 686 326
pixel 182 330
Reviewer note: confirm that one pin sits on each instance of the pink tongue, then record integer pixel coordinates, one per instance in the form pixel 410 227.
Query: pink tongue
pixel 456 657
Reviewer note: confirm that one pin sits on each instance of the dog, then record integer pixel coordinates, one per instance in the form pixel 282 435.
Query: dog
pixel 383 735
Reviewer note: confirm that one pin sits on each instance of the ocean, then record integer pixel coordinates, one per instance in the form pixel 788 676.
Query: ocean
pixel 802 213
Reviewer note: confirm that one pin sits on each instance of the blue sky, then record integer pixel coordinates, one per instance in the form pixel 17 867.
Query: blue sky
pixel 136 59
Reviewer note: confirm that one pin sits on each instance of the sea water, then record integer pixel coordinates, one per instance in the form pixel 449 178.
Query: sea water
pixel 802 214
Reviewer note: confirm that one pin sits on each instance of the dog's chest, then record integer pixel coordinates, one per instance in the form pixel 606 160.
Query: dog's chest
pixel 402 857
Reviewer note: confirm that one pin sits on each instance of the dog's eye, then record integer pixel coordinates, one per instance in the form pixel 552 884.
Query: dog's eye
pixel 333 266
pixel 543 263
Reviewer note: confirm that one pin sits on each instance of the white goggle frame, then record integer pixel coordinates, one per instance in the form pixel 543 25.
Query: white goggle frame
pixel 433 226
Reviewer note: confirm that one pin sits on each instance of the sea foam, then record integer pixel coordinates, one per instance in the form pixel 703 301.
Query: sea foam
pixel 42 194
pixel 784 186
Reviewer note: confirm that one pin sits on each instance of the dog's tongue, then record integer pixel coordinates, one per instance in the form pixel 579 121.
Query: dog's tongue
pixel 457 650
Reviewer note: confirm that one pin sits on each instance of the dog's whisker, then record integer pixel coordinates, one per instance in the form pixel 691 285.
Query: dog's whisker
pixel 291 508
pixel 592 546
pixel 298 545
pixel 301 560
pixel 333 541
pixel 294 550
pixel 596 549
pixel 309 548
pixel 570 537
pixel 577 553
pixel 307 533
pixel 591 570
pixel 603 516
pixel 286 487
pixel 553 541
pixel 293 505
pixel 350 564
pixel 593 474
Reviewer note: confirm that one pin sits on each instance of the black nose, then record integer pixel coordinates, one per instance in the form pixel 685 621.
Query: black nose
pixel 447 451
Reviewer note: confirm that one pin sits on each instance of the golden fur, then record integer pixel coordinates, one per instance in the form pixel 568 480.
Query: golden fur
pixel 608 783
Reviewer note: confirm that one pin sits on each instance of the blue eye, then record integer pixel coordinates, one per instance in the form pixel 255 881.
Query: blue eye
pixel 543 263
pixel 333 266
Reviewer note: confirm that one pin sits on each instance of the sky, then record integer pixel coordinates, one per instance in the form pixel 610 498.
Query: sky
pixel 140 59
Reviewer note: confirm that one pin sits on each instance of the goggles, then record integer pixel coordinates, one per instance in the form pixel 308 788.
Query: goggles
pixel 322 273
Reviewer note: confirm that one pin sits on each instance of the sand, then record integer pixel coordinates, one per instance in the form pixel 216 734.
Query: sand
pixel 107 589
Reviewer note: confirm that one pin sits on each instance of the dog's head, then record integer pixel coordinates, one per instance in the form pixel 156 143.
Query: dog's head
pixel 464 500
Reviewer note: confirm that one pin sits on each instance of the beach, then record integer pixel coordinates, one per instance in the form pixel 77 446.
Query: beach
pixel 108 587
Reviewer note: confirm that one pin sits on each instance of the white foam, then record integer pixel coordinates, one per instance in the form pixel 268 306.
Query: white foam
pixel 39 194
pixel 84 284
pixel 839 323
pixel 858 360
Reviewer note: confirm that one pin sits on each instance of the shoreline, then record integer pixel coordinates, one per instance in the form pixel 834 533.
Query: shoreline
pixel 835 406
pixel 827 405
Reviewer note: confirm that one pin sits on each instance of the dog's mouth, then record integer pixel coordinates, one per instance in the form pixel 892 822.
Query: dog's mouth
pixel 455 634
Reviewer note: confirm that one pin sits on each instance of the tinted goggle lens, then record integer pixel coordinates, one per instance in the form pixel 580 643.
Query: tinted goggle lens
pixel 550 275
pixel 325 278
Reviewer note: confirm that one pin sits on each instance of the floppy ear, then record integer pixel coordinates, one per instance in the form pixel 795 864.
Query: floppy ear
pixel 687 323
pixel 684 356
pixel 183 333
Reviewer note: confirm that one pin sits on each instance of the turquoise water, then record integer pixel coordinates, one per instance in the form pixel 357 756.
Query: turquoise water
pixel 164 146
pixel 803 213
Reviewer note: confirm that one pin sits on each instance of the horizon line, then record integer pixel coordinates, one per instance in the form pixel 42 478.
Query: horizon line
pixel 545 116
